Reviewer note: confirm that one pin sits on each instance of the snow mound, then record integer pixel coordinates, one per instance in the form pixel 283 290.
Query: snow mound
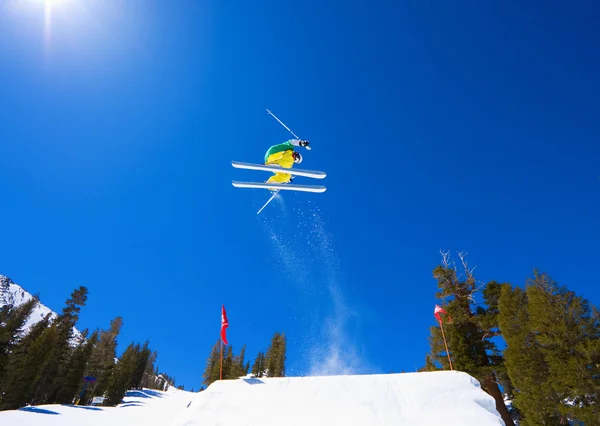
pixel 444 397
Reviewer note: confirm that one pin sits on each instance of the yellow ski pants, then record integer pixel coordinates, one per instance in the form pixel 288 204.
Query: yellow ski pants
pixel 283 159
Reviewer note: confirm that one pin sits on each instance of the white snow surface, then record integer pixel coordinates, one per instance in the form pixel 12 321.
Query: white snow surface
pixel 140 407
pixel 446 398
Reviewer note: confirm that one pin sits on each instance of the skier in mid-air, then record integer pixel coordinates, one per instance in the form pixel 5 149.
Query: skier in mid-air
pixel 279 160
pixel 284 155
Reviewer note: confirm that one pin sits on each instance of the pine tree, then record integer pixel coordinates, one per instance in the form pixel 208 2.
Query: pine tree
pixel 149 378
pixel 569 334
pixel 25 366
pixel 469 335
pixel 524 361
pixel 228 363
pixel 275 359
pixel 211 371
pixel 102 358
pixel 61 333
pixel 141 364
pixel 12 321
pixel 122 374
pixel 430 364
pixel 553 353
pixel 259 367
pixel 75 372
pixel 239 368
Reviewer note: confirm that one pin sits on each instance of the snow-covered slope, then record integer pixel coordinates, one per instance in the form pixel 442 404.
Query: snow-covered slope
pixel 140 407
pixel 417 399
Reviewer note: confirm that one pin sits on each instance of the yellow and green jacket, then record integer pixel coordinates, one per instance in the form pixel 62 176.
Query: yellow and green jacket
pixel 282 153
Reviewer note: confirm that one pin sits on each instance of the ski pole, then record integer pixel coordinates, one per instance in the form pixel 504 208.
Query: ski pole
pixel 270 199
pixel 287 128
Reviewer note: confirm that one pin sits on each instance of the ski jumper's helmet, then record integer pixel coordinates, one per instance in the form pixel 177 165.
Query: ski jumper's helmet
pixel 297 157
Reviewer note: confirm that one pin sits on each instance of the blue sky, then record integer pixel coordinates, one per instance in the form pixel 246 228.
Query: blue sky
pixel 466 128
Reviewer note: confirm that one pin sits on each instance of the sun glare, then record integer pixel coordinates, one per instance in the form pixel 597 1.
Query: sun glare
pixel 49 5
pixel 47 13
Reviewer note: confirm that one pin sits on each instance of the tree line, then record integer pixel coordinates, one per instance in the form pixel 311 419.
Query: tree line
pixel 51 364
pixel 270 363
pixel 549 364
pixel 536 345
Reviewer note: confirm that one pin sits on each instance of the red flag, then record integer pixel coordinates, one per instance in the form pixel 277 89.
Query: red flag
pixel 224 324
pixel 437 312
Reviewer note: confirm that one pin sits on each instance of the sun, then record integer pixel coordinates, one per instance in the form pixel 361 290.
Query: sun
pixel 52 12
pixel 48 3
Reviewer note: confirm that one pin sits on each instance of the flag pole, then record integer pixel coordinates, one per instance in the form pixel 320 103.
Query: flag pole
pixel 446 345
pixel 223 339
pixel 221 368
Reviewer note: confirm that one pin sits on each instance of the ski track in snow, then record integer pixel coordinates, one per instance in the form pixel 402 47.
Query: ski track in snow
pixel 305 251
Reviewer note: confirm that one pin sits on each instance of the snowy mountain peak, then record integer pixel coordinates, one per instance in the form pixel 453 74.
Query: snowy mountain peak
pixel 11 293
pixel 6 297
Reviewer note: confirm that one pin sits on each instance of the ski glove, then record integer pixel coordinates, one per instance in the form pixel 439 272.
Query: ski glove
pixel 304 143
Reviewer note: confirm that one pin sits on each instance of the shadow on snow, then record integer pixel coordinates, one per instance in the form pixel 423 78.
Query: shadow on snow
pixel 254 381
pixel 144 393
pixel 85 407
pixel 38 410
pixel 131 404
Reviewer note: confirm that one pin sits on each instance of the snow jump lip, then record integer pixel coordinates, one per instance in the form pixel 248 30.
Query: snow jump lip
pixel 448 398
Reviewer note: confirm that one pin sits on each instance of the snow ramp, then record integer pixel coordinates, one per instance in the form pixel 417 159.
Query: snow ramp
pixel 430 398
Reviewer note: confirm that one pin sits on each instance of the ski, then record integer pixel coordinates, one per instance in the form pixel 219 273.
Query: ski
pixel 316 174
pixel 280 186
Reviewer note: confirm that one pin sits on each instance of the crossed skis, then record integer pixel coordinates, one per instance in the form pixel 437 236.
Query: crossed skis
pixel 315 174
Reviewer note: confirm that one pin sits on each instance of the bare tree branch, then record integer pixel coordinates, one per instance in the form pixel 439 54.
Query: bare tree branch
pixel 445 258
pixel 465 264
